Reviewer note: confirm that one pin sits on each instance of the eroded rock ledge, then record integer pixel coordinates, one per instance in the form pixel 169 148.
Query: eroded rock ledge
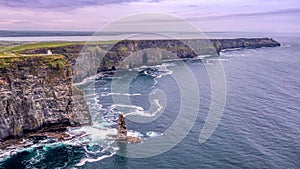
pixel 36 92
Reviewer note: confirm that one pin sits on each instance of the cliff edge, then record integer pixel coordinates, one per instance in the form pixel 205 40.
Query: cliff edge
pixel 95 57
pixel 37 92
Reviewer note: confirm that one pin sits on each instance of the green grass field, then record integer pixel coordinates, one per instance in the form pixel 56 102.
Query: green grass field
pixel 11 53
pixel 15 50
pixel 51 60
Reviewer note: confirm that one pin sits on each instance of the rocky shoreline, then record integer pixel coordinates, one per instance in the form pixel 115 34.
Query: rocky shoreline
pixel 57 132
pixel 37 90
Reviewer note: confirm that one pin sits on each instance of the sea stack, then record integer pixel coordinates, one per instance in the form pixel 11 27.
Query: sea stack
pixel 122 131
pixel 121 126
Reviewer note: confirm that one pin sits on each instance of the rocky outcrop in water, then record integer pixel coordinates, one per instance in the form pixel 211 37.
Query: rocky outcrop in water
pixel 122 131
pixel 37 93
pixel 121 127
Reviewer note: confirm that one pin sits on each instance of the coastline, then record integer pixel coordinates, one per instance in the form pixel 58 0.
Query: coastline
pixel 36 51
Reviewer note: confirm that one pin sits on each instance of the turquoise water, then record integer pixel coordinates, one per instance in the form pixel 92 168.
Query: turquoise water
pixel 260 127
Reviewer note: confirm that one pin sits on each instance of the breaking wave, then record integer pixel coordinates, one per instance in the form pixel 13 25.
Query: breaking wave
pixel 89 143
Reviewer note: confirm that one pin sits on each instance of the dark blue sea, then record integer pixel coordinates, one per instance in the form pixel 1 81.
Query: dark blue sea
pixel 259 127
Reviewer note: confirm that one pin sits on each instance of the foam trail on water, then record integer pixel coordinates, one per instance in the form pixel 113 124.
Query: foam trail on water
pixel 96 134
pixel 141 112
pixel 126 106
pixel 84 160
pixel 153 134
pixel 120 94
pixel 134 133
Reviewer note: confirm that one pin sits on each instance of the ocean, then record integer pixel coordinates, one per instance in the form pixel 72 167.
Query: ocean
pixel 259 127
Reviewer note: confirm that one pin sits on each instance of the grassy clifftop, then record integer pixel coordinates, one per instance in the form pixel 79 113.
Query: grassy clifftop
pixel 13 53
pixel 13 50
pixel 44 60
pixel 122 49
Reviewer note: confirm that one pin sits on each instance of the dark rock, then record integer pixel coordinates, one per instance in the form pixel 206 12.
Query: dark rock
pixel 35 95
pixel 121 127
pixel 122 132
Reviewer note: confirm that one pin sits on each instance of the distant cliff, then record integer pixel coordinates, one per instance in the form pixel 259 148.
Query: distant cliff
pixel 173 49
pixel 37 92
pixel 223 44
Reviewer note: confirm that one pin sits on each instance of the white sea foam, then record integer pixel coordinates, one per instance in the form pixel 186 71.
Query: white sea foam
pixel 218 59
pixel 126 106
pixel 153 134
pixel 134 133
pixel 231 49
pixel 84 160
pixel 141 112
pixel 94 133
pixel 160 107
pixel 201 57
pixel 97 136
pixel 88 79
pixel 159 70
pixel 168 64
pixel 119 94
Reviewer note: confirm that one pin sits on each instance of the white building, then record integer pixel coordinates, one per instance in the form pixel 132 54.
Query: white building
pixel 49 52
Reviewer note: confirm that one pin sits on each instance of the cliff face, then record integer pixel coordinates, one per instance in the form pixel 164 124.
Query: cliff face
pixel 37 92
pixel 153 52
pixel 128 54
pixel 94 58
pixel 222 44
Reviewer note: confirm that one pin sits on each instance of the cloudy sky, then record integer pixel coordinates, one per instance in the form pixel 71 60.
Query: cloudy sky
pixel 208 15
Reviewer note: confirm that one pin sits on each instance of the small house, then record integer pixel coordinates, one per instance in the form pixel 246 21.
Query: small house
pixel 49 52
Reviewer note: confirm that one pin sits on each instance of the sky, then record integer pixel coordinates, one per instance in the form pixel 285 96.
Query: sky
pixel 207 15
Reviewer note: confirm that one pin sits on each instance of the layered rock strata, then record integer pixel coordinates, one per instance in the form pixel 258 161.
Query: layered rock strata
pixel 90 59
pixel 36 93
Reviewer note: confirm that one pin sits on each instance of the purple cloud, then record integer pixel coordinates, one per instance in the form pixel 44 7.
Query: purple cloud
pixel 264 13
pixel 50 4
pixel 257 15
